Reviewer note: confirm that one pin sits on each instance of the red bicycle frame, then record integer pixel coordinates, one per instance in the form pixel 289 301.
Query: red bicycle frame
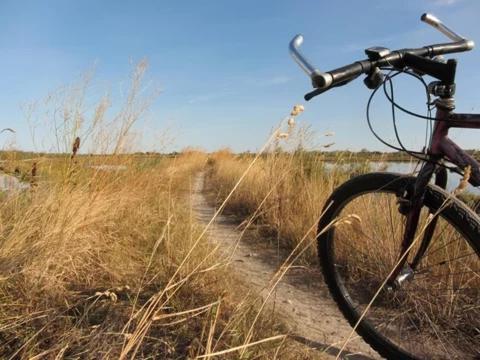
pixel 441 147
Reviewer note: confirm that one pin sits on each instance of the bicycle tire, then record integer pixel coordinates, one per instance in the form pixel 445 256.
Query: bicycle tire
pixel 463 219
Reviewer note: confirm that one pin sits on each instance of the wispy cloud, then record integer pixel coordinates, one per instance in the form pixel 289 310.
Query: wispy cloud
pixel 204 98
pixel 362 45
pixel 445 2
pixel 247 81
pixel 277 80
pixel 269 80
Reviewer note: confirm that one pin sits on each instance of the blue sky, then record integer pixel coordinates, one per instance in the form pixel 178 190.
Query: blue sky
pixel 223 67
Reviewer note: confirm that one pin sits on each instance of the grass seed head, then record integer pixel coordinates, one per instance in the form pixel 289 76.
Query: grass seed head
pixel 75 147
pixel 464 181
pixel 297 110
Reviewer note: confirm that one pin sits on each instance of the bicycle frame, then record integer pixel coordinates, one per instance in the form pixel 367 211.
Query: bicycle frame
pixel 414 195
pixel 441 147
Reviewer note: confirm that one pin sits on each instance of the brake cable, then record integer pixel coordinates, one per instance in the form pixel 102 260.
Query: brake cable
pixel 415 154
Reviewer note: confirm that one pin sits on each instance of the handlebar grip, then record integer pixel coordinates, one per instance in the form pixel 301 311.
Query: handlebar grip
pixel 350 72
pixel 449 48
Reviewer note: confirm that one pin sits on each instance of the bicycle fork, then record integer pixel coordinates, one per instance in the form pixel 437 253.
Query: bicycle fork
pixel 404 271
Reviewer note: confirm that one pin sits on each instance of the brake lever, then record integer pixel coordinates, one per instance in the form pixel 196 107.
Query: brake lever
pixel 309 96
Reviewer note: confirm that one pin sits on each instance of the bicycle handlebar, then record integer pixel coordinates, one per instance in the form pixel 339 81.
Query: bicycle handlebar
pixel 324 81
pixel 436 23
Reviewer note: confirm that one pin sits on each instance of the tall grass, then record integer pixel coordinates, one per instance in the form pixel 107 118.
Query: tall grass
pixel 286 191
pixel 103 258
pixel 292 187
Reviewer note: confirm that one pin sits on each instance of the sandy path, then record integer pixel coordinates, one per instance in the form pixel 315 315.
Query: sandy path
pixel 301 297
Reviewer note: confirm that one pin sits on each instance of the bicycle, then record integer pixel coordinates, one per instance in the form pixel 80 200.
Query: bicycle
pixel 409 280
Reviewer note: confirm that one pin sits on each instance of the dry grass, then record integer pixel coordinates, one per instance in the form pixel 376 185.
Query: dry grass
pixel 82 261
pixel 103 258
pixel 292 188
pixel 443 293
pixel 285 191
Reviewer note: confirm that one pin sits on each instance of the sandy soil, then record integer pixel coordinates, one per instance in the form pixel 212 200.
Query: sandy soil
pixel 301 298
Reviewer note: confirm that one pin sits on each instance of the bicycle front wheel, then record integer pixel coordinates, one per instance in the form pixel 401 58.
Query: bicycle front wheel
pixel 435 312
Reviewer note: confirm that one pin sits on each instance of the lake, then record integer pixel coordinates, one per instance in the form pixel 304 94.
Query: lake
pixel 408 168
pixel 11 183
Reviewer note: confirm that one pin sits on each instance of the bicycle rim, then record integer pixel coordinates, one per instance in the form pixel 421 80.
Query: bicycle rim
pixel 435 312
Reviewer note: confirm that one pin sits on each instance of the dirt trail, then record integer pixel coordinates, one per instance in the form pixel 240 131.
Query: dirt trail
pixel 301 297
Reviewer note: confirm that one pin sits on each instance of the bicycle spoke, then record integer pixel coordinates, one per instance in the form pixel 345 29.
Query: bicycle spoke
pixel 436 302
pixel 446 262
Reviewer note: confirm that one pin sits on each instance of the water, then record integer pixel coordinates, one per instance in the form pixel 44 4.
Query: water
pixel 10 183
pixel 105 167
pixel 403 167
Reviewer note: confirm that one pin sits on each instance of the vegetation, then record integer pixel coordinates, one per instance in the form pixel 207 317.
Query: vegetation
pixel 360 156
pixel 285 193
pixel 102 258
